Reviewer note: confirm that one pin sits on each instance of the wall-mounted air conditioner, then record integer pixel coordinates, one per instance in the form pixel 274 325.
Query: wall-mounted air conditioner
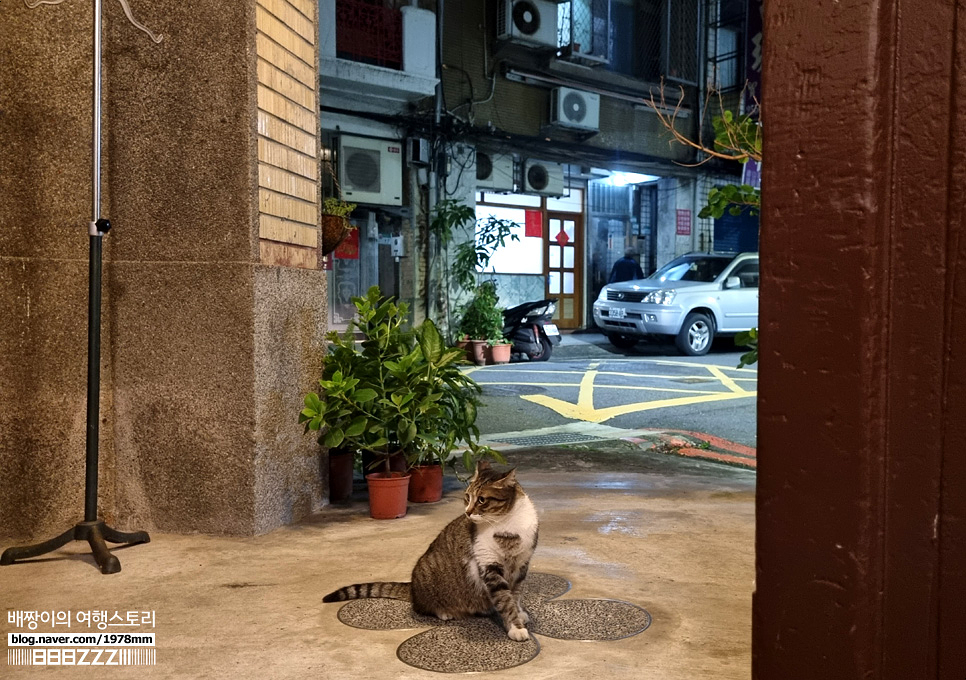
pixel 528 22
pixel 575 109
pixel 494 171
pixel 370 170
pixel 546 179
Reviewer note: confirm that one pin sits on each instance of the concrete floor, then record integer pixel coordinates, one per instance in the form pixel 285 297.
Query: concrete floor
pixel 679 544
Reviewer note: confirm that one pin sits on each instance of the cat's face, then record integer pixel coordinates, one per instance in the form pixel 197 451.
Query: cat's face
pixel 490 494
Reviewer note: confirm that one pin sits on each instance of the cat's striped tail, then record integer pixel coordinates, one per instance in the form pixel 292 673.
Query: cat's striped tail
pixel 395 591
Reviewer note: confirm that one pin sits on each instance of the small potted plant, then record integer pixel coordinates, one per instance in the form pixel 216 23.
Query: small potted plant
pixel 482 321
pixel 334 222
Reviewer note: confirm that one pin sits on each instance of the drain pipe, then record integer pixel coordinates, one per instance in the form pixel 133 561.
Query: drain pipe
pixel 431 244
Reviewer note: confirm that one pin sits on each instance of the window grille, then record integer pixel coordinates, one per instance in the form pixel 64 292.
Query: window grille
pixel 726 38
pixel 683 37
pixel 584 30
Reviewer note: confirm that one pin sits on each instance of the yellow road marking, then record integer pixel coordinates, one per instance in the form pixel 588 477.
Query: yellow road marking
pixel 587 413
pixel 584 408
pixel 725 380
pixel 621 374
pixel 694 364
pixel 608 387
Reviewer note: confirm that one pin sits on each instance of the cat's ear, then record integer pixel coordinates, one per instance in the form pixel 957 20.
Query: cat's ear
pixel 509 477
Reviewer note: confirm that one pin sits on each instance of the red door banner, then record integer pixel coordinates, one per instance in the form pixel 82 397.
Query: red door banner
pixel 534 223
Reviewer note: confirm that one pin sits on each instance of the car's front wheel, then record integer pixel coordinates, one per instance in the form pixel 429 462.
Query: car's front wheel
pixel 622 341
pixel 696 334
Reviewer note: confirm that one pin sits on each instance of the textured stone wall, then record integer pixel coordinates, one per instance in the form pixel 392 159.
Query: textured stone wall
pixel 206 347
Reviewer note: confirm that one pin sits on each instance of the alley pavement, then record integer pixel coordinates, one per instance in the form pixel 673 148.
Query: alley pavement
pixel 628 530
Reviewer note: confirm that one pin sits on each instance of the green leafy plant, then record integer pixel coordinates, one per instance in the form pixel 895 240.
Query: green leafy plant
pixel 748 339
pixel 449 215
pixel 474 256
pixel 337 207
pixel 480 318
pixel 399 390
pixel 733 198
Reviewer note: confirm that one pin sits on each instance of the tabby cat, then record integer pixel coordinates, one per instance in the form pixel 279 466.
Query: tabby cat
pixel 478 561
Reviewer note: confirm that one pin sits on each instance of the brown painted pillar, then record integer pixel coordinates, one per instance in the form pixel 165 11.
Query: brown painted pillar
pixel 861 541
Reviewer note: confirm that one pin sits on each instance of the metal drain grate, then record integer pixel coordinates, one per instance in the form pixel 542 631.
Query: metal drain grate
pixel 546 439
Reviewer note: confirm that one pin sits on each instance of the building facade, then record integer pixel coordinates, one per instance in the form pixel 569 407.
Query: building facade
pixel 535 111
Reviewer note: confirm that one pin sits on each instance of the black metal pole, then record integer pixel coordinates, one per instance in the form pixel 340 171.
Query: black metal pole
pixel 93 377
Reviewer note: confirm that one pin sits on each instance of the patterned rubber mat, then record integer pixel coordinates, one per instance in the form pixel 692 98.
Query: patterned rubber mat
pixel 481 644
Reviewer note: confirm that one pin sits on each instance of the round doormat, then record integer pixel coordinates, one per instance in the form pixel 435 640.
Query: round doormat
pixel 480 644
pixel 588 619
pixel 473 645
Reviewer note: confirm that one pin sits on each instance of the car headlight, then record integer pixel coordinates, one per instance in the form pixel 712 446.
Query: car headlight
pixel 660 297
pixel 603 293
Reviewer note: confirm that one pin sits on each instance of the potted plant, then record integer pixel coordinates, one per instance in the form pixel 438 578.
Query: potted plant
pixel 399 391
pixel 334 222
pixel 482 321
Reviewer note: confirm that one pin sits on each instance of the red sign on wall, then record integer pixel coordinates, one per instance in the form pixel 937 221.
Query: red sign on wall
pixel 684 223
pixel 534 223
pixel 349 248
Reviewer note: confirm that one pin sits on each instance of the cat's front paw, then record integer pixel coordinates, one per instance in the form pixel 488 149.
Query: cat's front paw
pixel 518 634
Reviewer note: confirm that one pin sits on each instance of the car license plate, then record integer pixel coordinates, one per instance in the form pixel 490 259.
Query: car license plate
pixel 550 329
pixel 617 313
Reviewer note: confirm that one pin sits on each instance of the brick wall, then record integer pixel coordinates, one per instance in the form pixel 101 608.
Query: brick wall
pixel 288 167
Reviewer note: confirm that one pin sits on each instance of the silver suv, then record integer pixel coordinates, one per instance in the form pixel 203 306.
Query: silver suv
pixel 692 298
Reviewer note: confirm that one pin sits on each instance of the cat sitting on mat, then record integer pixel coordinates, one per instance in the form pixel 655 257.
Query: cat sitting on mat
pixel 478 561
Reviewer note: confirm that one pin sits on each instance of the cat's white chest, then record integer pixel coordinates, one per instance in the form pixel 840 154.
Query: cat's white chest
pixel 491 543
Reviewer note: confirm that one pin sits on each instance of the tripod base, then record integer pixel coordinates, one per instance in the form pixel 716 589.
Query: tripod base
pixel 95 533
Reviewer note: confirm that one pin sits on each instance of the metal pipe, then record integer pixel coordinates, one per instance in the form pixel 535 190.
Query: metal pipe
pixel 434 181
pixel 96 119
pixel 94 292
pixel 93 377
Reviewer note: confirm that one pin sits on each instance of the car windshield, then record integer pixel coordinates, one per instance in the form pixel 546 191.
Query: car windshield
pixel 691 268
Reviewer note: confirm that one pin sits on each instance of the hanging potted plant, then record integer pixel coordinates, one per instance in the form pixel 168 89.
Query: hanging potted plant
pixel 334 222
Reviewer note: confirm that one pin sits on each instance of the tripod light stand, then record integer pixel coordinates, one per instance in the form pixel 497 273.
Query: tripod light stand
pixel 92 529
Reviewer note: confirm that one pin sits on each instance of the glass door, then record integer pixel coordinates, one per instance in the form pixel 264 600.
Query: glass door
pixel 564 243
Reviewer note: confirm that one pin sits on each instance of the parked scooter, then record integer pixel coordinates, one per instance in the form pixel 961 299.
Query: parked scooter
pixel 528 328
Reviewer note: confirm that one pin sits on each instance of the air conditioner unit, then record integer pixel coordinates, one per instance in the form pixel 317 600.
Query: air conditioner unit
pixel 529 22
pixel 494 171
pixel 546 179
pixel 576 109
pixel 370 170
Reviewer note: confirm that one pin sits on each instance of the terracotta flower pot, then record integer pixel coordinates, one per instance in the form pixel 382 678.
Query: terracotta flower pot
pixel 467 347
pixel 397 463
pixel 340 474
pixel 500 353
pixel 426 483
pixel 479 352
pixel 388 492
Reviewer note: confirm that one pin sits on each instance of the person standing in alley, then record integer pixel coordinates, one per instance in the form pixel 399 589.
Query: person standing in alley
pixel 626 268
